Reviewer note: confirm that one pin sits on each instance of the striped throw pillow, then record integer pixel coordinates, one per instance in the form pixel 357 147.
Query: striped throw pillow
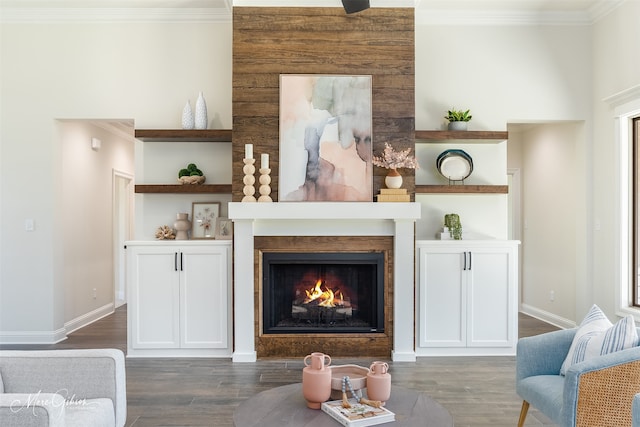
pixel 596 336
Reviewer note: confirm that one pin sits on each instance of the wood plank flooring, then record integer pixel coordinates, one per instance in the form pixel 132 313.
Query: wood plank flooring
pixel 477 391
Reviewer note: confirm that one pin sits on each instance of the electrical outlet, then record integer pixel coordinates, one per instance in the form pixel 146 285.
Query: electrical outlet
pixel 95 293
pixel 552 296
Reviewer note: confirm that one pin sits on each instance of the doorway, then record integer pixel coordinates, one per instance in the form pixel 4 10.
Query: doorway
pixel 122 215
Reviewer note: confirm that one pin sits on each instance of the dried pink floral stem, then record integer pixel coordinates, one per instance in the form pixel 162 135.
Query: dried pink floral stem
pixel 391 159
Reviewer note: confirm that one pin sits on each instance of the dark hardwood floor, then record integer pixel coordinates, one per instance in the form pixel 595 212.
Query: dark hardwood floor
pixel 477 391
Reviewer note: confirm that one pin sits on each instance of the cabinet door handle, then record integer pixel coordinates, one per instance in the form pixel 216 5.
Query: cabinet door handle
pixel 464 267
pixel 469 260
pixel 175 261
pixel 181 263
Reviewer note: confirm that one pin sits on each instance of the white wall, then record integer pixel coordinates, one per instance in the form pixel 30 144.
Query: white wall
pixel 504 74
pixel 144 72
pixel 616 67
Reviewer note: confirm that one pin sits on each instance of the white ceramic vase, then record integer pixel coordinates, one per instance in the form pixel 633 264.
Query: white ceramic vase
pixel 187 117
pixel 201 112
pixel 393 179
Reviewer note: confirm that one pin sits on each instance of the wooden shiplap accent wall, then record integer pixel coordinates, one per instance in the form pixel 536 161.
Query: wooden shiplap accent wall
pixel 268 42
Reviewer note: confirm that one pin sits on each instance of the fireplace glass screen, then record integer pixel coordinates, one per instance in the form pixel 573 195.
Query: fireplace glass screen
pixel 323 292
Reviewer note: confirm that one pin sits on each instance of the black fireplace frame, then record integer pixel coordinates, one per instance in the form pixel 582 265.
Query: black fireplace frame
pixel 375 259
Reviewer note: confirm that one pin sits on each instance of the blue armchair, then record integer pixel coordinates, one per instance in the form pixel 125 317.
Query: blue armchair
pixel 597 392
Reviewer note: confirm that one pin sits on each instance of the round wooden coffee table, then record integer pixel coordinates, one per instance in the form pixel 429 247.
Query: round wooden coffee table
pixel 285 407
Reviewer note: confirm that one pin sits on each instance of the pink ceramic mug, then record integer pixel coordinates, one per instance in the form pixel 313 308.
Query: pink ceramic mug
pixel 318 360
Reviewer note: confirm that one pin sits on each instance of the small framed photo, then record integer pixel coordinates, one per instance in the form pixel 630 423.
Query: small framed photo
pixel 224 229
pixel 203 219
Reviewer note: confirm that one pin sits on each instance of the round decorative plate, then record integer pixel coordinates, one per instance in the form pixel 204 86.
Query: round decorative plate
pixel 455 165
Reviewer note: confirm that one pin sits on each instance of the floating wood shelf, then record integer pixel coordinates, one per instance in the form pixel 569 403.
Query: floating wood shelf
pixel 462 189
pixel 186 135
pixel 467 136
pixel 184 189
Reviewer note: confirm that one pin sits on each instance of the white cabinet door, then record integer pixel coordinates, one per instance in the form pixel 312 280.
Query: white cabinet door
pixel 442 297
pixel 203 297
pixel 491 305
pixel 467 296
pixel 154 295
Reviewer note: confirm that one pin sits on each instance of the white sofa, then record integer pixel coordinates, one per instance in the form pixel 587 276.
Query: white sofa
pixel 63 388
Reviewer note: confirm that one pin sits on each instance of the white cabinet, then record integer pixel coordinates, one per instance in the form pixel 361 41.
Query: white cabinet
pixel 179 298
pixel 467 299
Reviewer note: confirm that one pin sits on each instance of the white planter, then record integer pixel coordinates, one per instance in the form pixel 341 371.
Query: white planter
pixel 458 125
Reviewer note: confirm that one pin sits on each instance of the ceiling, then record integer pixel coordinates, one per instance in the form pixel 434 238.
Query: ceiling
pixel 427 11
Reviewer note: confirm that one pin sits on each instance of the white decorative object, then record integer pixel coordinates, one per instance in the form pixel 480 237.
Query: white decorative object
pixel 249 190
pixel 264 161
pixel 201 113
pixel 393 179
pixel 265 180
pixel 248 151
pixel 187 117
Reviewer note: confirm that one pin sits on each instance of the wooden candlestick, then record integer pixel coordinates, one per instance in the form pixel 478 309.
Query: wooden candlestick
pixel 249 190
pixel 265 189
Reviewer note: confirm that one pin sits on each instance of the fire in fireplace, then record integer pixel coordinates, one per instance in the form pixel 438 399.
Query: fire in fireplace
pixel 338 292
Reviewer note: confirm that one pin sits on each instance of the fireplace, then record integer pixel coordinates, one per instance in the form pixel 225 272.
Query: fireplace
pixel 322 293
pixel 385 228
pixel 348 266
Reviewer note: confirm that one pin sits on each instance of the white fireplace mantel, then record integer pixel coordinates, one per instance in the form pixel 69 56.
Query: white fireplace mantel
pixel 324 219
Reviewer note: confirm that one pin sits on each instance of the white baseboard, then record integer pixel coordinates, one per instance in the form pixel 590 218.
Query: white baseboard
pixel 53 337
pixel 88 318
pixel 32 337
pixel 545 316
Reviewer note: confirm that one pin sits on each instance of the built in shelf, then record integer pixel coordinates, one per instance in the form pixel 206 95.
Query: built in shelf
pixel 186 135
pixel 184 189
pixel 464 136
pixel 462 189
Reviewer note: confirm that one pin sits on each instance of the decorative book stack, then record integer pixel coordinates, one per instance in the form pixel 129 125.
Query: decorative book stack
pixel 393 195
pixel 358 414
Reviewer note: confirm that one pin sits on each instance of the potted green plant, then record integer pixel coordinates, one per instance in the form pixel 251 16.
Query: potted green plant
pixel 458 119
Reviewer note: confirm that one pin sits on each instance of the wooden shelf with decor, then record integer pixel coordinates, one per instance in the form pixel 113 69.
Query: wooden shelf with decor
pixel 185 135
pixel 462 189
pixel 183 189
pixel 461 136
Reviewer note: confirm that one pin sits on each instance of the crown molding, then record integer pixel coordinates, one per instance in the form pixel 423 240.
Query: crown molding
pixel 602 8
pixel 499 17
pixel 622 97
pixel 72 11
pixel 320 3
pixel 98 11
pixel 105 15
pixel 425 15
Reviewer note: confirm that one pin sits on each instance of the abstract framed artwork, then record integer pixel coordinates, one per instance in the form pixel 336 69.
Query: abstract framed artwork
pixel 203 219
pixel 325 138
